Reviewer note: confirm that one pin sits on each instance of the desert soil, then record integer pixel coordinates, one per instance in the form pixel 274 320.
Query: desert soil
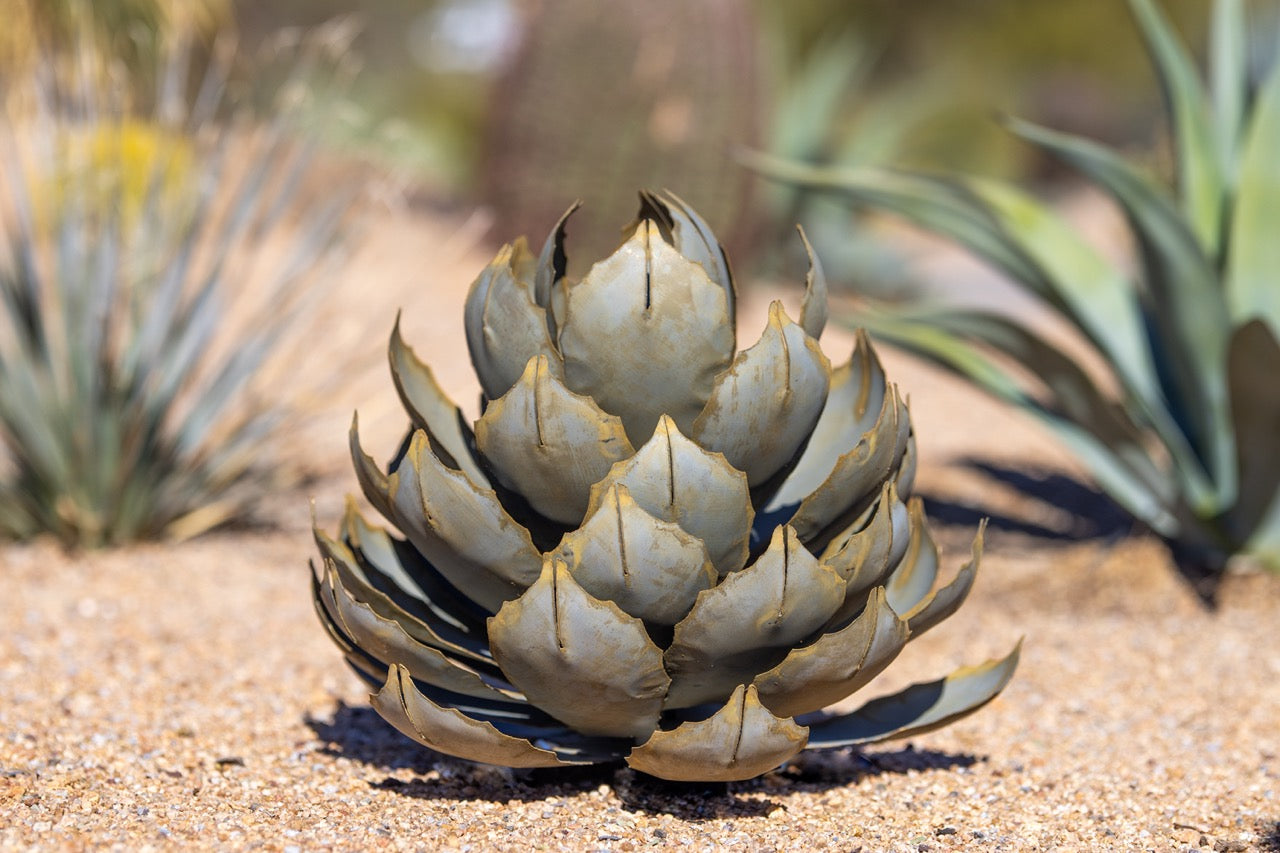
pixel 186 697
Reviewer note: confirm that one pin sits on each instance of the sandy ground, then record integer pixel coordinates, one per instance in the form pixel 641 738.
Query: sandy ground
pixel 161 697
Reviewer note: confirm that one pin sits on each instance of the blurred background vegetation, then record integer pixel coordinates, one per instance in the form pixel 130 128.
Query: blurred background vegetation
pixel 524 105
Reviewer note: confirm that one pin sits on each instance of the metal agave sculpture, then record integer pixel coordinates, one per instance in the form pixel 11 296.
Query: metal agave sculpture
pixel 649 548
pixel 1189 444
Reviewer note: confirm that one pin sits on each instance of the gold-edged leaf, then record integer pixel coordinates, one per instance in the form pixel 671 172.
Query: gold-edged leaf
pixel 740 741
pixel 549 444
pixel 580 659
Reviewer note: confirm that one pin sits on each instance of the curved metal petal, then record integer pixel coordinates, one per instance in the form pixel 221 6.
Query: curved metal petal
pixel 853 406
pixel 906 480
pixel 750 621
pixel 549 444
pixel 431 410
pixel 651 569
pixel 580 659
pixel 424 626
pixel 865 557
pixel 462 529
pixel 366 667
pixel 373 483
pixel 645 333
pixel 694 239
pixel 764 407
pixel 740 741
pixel 913 578
pixel 918 709
pixel 856 479
pixel 838 664
pixel 813 310
pixel 386 639
pixel 945 601
pixel 674 479
pixel 452 732
pixel 553 262
pixel 396 569
pixel 505 326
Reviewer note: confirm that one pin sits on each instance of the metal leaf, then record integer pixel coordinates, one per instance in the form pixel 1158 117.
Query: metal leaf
pixel 423 625
pixel 504 324
pixel 836 665
pixel 918 709
pixel 674 479
pixel 867 556
pixel 552 262
pixel 750 621
pixel 652 569
pixel 694 239
pixel 936 607
pixel 646 333
pixel 912 580
pixel 386 639
pixel 396 569
pixel 740 741
pixel 549 444
pixel 852 408
pixel 764 407
pixel 857 477
pixel 813 310
pixel 450 731
pixel 431 409
pixel 373 483
pixel 580 659
pixel 461 528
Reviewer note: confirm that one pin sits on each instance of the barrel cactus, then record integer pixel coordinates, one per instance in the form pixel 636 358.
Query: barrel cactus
pixel 649 547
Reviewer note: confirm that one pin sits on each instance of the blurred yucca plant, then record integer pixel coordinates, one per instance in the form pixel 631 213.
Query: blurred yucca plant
pixel 154 257
pixel 135 31
pixel 1188 444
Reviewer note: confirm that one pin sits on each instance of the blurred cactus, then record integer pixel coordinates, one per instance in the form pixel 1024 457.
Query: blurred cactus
pixel 151 261
pixel 605 97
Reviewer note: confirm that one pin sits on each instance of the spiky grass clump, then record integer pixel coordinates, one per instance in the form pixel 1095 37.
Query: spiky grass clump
pixel 153 259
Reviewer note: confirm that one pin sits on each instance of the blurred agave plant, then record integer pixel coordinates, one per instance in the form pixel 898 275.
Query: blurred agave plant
pixel 129 233
pixel 1190 446
pixel 649 548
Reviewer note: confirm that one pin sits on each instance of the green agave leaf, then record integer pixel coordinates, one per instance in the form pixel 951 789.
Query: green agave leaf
pixel 1100 300
pixel 1199 176
pixel 1093 293
pixel 935 204
pixel 1186 307
pixel 1112 452
pixel 918 709
pixel 1253 271
pixel 1229 82
pixel 1255 406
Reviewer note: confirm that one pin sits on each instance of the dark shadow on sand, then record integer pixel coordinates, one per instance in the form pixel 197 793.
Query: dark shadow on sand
pixel 1092 517
pixel 359 734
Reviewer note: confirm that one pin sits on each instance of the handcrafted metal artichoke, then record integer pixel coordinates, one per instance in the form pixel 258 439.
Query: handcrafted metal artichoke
pixel 650 548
